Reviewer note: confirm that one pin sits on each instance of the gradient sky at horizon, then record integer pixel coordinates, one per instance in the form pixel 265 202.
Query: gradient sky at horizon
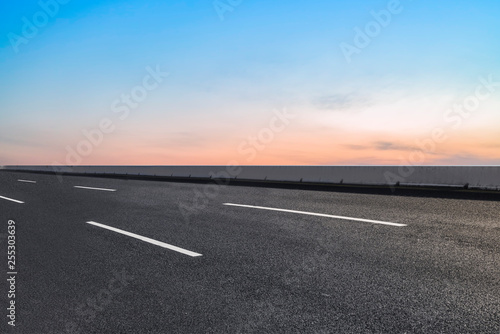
pixel 228 79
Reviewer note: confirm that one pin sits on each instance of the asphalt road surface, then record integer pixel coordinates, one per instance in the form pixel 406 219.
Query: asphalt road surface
pixel 164 257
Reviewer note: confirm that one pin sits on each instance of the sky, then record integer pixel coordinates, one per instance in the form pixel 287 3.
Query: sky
pixel 250 82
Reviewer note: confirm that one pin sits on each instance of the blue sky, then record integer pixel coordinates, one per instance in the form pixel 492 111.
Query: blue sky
pixel 227 76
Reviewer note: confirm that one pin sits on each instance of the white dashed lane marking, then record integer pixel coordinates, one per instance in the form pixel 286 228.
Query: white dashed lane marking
pixel 318 214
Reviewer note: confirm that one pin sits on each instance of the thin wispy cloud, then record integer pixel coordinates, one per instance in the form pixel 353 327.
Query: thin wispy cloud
pixel 341 102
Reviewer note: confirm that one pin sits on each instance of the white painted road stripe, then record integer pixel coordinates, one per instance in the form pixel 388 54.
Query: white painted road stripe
pixel 102 189
pixel 318 214
pixel 27 181
pixel 151 241
pixel 12 200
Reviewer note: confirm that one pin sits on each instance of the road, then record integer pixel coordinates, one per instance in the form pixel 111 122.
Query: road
pixel 163 257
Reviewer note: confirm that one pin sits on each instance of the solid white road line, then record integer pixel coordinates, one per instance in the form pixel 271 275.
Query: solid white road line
pixel 318 214
pixel 102 189
pixel 151 241
pixel 27 181
pixel 12 200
